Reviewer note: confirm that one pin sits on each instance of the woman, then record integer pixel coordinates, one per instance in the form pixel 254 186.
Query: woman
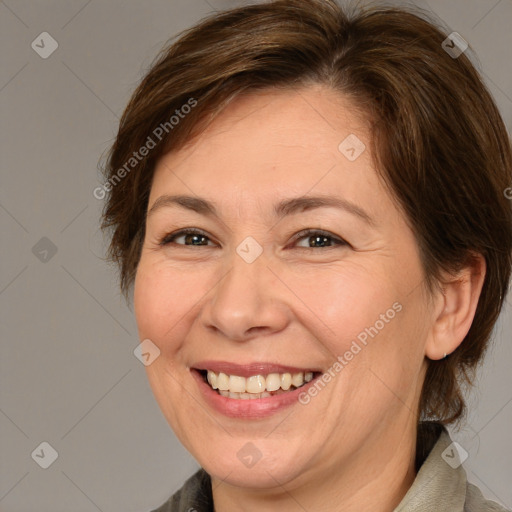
pixel 310 206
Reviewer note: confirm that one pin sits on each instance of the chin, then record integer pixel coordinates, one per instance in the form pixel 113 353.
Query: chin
pixel 258 464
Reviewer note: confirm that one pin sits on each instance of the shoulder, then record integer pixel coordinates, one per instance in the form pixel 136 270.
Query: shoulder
pixel 441 482
pixel 475 501
pixel 194 495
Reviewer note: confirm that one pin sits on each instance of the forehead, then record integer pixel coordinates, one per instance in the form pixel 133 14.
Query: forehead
pixel 273 143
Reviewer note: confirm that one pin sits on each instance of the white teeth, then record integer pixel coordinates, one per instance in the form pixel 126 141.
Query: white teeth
pixel 273 381
pixel 223 381
pixel 256 386
pixel 212 379
pixel 286 381
pixel 236 384
pixel 298 379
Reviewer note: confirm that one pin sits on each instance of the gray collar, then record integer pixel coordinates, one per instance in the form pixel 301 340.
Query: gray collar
pixel 440 484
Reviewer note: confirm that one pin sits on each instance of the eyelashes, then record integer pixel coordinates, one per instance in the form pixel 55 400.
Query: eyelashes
pixel 193 235
pixel 320 235
pixel 170 238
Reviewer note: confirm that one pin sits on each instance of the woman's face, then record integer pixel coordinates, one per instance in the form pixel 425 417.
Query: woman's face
pixel 251 296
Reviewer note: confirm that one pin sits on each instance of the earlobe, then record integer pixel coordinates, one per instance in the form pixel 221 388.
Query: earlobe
pixel 455 309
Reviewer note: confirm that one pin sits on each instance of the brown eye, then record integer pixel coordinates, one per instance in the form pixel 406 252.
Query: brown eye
pixel 191 237
pixel 318 239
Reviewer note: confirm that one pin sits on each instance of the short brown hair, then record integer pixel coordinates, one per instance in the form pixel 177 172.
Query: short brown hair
pixel 438 140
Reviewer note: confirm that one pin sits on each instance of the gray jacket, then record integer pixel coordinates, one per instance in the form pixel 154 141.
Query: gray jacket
pixel 440 484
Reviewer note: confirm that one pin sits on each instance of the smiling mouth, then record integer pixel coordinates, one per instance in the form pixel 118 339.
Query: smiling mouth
pixel 255 386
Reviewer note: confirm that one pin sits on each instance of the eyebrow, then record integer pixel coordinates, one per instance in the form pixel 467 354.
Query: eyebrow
pixel 282 209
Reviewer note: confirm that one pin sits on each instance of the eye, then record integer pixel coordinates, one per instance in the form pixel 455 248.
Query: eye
pixel 319 239
pixel 195 237
pixel 191 236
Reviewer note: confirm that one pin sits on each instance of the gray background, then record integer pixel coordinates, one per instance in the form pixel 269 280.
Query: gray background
pixel 68 373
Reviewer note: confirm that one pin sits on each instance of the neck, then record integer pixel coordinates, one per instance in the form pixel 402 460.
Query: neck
pixel 376 478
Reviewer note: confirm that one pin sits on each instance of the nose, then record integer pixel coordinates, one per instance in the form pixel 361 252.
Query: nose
pixel 245 303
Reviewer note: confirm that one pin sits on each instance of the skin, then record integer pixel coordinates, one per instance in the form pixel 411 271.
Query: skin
pixel 352 447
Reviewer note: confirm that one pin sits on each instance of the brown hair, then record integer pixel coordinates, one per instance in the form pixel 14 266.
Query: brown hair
pixel 438 140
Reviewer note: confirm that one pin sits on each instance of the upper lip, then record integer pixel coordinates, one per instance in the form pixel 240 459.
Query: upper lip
pixel 247 370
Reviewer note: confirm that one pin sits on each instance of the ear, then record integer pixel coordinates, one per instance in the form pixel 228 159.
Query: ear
pixel 455 308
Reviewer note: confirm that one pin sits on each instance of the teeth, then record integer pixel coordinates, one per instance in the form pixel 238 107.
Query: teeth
pixel 286 381
pixel 297 379
pixel 244 396
pixel 212 379
pixel 223 382
pixel 256 386
pixel 273 381
pixel 236 384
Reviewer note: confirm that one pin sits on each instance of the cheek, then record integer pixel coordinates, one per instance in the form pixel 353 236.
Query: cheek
pixel 162 299
pixel 344 301
pixel 368 316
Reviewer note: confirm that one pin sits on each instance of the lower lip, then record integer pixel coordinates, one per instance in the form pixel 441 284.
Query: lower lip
pixel 251 408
